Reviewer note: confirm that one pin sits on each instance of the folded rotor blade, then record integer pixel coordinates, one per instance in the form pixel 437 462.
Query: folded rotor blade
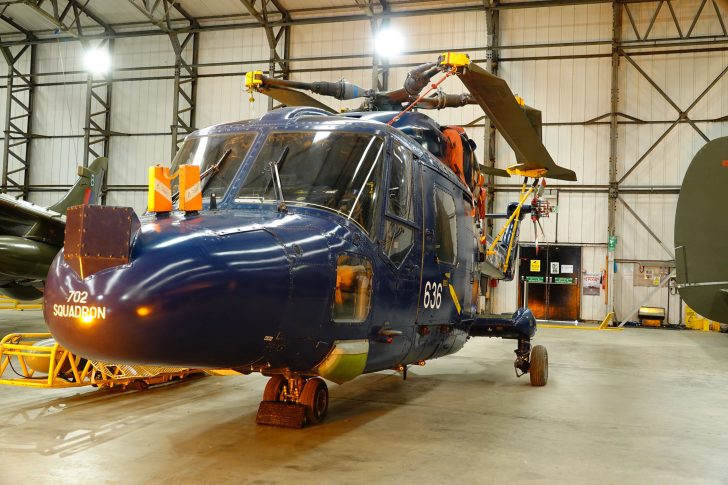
pixel 499 103
pixel 291 97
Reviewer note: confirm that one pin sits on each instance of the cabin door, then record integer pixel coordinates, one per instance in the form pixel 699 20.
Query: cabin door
pixel 442 278
pixel 402 231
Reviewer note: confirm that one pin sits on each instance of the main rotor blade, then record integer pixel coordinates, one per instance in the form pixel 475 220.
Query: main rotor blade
pixel 499 103
pixel 291 97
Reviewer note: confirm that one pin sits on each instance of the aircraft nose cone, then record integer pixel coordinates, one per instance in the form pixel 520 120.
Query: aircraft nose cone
pixel 181 295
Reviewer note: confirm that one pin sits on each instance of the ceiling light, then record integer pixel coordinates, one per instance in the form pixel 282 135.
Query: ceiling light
pixel 388 43
pixel 97 60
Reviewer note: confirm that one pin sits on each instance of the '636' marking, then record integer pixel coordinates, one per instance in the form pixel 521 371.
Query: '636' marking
pixel 433 295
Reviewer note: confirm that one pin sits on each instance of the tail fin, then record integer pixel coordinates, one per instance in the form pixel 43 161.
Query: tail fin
pixel 87 189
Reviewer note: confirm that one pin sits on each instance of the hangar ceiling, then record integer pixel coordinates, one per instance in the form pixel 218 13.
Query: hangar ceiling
pixel 51 19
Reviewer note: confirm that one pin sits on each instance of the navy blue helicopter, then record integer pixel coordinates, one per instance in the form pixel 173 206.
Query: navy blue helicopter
pixel 328 245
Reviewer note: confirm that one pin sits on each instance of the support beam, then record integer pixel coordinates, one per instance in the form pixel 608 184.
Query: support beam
pixel 682 115
pixel 185 45
pixel 266 12
pixel 97 121
pixel 184 103
pixel 66 19
pixel 378 22
pixel 613 138
pixel 18 119
pixel 614 118
pixel 492 22
pixel 492 40
pixel 647 227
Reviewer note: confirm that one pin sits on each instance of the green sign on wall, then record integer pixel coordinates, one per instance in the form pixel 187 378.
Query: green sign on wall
pixel 534 279
pixel 559 280
pixel 612 243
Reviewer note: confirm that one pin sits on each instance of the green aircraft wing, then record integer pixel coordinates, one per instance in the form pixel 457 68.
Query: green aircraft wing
pixel 701 233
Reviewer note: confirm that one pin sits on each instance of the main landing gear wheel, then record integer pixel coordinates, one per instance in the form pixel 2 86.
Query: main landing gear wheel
pixel 274 388
pixel 315 397
pixel 539 366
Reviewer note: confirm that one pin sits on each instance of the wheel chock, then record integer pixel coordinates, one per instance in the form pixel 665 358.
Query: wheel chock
pixel 286 415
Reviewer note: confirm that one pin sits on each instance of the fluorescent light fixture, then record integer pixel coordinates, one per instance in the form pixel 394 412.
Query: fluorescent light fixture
pixel 388 43
pixel 97 60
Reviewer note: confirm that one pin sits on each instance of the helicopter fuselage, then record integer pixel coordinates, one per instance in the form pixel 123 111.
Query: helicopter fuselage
pixel 269 283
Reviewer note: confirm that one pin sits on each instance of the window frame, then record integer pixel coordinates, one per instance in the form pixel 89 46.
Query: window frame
pixel 252 149
pixel 438 187
pixel 371 290
pixel 387 211
pixel 415 224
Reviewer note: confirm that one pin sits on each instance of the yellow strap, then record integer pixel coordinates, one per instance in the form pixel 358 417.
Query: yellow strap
pixel 454 298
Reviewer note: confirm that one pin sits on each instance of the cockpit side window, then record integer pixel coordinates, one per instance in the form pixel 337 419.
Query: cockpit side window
pixel 445 227
pixel 352 298
pixel 398 235
pixel 337 170
pixel 399 192
pixel 226 151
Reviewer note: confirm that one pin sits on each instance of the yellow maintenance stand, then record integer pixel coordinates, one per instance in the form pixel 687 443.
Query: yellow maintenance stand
pixel 36 360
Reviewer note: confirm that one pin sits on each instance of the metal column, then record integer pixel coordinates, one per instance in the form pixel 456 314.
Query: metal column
pixel 613 136
pixel 18 119
pixel 184 98
pixel 267 13
pixel 97 124
pixel 492 20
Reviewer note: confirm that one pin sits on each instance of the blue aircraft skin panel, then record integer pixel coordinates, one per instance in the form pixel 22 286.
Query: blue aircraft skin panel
pixel 250 286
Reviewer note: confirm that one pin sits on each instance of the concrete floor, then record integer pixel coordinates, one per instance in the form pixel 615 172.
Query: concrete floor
pixel 640 406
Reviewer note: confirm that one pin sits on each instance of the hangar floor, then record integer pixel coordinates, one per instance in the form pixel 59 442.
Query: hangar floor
pixel 640 406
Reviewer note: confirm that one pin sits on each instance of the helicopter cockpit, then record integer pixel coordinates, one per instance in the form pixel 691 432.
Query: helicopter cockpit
pixel 331 169
pixel 336 170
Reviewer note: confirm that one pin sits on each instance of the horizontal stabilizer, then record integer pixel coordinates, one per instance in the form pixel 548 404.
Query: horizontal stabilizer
pixel 497 172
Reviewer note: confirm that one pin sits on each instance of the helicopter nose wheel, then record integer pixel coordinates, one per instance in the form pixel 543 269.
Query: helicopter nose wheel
pixel 293 402
pixel 539 366
pixel 532 360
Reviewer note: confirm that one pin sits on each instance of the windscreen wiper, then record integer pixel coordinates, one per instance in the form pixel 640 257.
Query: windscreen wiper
pixel 276 177
pixel 210 170
pixel 214 169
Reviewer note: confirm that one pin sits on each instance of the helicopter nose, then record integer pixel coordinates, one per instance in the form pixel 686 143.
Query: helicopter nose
pixel 186 297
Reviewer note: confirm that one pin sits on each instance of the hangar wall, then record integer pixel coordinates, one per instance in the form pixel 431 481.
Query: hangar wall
pixel 570 80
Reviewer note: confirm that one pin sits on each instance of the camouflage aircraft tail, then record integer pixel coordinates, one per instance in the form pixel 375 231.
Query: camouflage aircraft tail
pixel 87 189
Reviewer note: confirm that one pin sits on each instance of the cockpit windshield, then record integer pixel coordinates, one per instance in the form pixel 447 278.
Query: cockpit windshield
pixel 333 169
pixel 226 151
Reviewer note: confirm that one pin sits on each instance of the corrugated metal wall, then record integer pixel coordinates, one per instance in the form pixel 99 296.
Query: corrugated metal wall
pixel 569 91
pixel 570 84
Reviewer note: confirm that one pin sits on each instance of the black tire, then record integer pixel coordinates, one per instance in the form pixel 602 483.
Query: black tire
pixel 539 366
pixel 315 397
pixel 274 388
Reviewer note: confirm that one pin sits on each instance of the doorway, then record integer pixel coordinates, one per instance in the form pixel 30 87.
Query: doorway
pixel 549 281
